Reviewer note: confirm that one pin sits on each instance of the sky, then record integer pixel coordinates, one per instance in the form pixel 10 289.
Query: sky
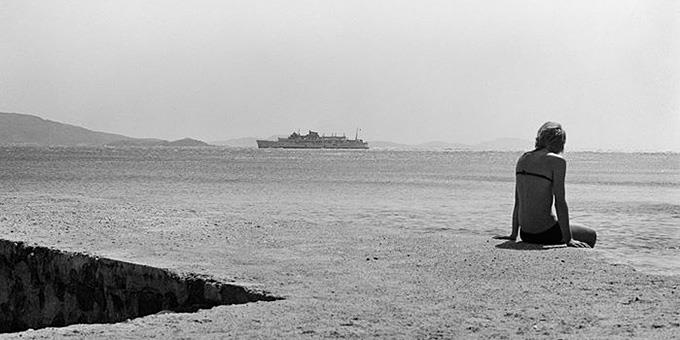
pixel 401 71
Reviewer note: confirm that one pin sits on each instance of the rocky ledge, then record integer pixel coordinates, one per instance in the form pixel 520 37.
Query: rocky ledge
pixel 44 287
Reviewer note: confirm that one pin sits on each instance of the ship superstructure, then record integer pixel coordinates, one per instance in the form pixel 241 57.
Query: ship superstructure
pixel 312 140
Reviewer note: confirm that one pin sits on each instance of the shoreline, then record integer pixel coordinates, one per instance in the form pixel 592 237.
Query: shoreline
pixel 352 280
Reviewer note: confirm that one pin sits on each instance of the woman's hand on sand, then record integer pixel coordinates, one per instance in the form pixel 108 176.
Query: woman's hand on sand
pixel 501 237
pixel 577 244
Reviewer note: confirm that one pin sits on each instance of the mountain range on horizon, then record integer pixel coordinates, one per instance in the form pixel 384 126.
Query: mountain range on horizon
pixel 500 144
pixel 26 129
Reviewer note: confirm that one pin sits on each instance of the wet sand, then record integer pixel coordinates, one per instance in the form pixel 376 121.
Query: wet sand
pixel 344 280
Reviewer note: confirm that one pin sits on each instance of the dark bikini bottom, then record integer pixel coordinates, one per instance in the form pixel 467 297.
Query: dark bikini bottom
pixel 550 236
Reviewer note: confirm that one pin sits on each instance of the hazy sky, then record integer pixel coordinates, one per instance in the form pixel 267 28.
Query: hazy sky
pixel 405 71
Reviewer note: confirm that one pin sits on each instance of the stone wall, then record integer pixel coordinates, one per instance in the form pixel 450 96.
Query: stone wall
pixel 43 287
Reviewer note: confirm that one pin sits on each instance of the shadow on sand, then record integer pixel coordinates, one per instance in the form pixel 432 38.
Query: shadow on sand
pixel 527 246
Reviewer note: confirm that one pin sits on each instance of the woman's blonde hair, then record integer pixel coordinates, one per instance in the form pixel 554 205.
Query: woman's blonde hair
pixel 552 137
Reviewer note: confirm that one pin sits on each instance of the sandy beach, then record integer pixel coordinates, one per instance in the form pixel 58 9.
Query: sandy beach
pixel 346 280
pixel 339 169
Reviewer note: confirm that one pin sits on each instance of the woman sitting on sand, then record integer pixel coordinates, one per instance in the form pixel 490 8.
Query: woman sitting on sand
pixel 540 177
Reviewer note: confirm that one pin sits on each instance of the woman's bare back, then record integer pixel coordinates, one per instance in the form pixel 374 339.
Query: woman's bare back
pixel 535 173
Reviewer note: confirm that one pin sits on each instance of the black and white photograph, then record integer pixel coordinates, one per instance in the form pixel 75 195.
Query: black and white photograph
pixel 326 169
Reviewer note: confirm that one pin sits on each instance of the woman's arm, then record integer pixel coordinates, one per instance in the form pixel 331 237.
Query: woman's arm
pixel 515 217
pixel 559 173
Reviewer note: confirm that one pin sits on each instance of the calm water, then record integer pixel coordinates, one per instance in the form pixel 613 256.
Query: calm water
pixel 632 200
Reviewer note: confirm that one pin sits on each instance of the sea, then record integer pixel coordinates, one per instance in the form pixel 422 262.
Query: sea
pixel 632 200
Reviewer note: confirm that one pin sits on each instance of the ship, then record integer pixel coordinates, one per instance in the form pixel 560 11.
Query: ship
pixel 312 140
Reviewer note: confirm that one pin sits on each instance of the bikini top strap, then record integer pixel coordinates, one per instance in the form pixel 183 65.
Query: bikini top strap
pixel 526 173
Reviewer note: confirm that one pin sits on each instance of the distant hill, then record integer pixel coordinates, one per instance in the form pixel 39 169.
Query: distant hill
pixel 444 145
pixel 188 142
pixel 158 142
pixel 138 142
pixel 24 129
pixel 500 144
pixel 244 142
pixel 435 145
pixel 388 145
pixel 505 144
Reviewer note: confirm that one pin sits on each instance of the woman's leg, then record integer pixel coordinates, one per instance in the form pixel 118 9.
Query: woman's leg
pixel 579 232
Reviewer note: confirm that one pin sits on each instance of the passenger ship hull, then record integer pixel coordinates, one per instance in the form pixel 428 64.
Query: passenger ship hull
pixel 268 144
pixel 313 141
